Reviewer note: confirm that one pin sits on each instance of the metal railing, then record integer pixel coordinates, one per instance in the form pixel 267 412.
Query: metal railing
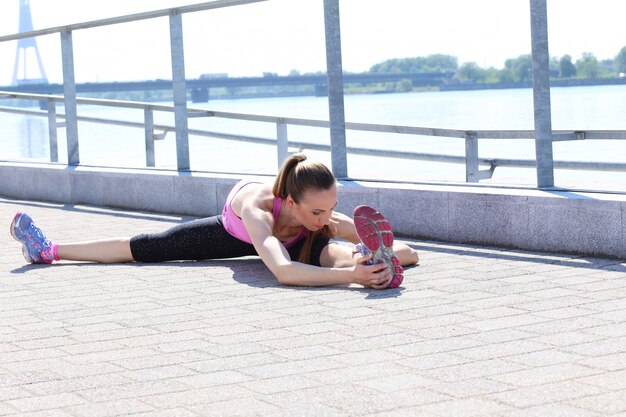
pixel 178 68
pixel 472 161
pixel 543 135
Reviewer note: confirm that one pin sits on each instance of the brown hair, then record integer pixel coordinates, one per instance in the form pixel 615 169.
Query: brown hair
pixel 297 176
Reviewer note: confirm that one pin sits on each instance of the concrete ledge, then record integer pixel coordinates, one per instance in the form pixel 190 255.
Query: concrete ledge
pixel 549 221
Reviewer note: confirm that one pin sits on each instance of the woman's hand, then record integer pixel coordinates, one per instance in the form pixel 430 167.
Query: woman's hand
pixel 370 276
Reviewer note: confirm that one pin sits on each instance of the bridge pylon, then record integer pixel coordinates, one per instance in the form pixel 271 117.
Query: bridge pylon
pixel 23 46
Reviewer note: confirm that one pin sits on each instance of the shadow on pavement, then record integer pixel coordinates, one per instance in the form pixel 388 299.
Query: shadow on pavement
pixel 564 260
pixel 249 271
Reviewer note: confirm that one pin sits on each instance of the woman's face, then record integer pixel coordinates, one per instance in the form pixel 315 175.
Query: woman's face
pixel 316 207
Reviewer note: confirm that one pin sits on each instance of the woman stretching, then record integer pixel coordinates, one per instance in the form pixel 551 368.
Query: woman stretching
pixel 289 225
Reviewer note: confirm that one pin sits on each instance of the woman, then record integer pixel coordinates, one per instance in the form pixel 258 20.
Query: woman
pixel 288 225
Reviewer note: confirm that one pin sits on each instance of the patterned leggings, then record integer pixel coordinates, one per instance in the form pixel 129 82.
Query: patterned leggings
pixel 204 239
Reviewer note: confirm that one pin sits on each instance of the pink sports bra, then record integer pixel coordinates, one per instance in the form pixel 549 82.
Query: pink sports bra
pixel 234 225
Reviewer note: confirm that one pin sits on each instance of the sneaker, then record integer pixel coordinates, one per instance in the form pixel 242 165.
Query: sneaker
pixel 376 236
pixel 362 249
pixel 35 247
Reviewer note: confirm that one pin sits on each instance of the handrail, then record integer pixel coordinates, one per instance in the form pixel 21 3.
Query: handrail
pixel 543 135
pixel 178 70
pixel 369 127
pixel 129 18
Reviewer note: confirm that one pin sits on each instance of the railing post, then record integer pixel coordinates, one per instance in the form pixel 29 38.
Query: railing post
pixel 69 91
pixel 180 91
pixel 335 89
pixel 471 157
pixel 282 143
pixel 148 117
pixel 541 93
pixel 52 131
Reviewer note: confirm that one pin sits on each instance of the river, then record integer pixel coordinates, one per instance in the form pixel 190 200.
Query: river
pixel 573 108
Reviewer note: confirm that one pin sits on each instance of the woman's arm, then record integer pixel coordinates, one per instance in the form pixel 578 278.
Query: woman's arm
pixel 259 223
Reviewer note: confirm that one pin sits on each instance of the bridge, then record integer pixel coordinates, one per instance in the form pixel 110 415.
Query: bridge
pixel 200 87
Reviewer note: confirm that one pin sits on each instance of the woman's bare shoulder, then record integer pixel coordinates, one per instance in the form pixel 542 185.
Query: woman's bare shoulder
pixel 253 195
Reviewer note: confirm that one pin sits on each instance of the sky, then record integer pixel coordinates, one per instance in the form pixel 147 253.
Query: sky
pixel 284 35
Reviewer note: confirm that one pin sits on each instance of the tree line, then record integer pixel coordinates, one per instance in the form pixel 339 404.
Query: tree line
pixel 515 69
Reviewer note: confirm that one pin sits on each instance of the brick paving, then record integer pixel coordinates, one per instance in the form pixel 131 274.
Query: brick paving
pixel 473 331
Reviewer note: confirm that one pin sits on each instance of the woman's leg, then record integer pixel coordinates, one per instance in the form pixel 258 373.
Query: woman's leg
pixel 106 251
pixel 334 255
pixel 118 250
pixel 195 240
pixel 406 254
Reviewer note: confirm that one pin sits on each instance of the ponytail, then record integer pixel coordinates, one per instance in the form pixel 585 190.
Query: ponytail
pixel 281 188
pixel 296 176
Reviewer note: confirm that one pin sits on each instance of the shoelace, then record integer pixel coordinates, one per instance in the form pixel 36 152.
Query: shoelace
pixel 36 235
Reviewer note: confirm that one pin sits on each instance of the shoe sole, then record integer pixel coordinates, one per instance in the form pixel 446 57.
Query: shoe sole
pixel 12 230
pixel 374 230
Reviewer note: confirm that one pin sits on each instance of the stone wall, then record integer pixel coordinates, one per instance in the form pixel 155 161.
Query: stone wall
pixel 591 224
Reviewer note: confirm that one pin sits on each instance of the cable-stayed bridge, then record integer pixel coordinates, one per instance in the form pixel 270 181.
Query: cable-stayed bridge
pixel 21 70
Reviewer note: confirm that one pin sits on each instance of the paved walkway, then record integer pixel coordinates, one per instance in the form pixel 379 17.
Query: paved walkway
pixel 473 332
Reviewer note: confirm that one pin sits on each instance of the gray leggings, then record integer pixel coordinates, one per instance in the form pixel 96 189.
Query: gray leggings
pixel 204 239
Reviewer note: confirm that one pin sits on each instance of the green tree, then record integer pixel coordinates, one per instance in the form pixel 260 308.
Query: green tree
pixel 404 86
pixel 521 68
pixel 620 61
pixel 492 75
pixel 470 71
pixel 588 66
pixel 567 69
pixel 607 68
pixel 441 62
pixel 431 63
pixel 505 76
pixel 554 65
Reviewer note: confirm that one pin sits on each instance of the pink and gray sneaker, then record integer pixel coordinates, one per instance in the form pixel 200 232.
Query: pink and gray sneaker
pixel 376 237
pixel 35 247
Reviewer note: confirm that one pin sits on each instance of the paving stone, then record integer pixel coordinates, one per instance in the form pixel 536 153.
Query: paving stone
pixel 615 362
pixel 471 388
pixel 607 403
pixel 545 374
pixel 44 413
pixel 474 369
pixel 544 358
pixel 472 331
pixel 466 407
pixel 552 410
pixel 205 397
pixel 46 402
pixel 499 350
pixel 110 408
pixel 562 392
pixel 169 412
pixel 213 379
pixel 245 406
pixel 612 380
